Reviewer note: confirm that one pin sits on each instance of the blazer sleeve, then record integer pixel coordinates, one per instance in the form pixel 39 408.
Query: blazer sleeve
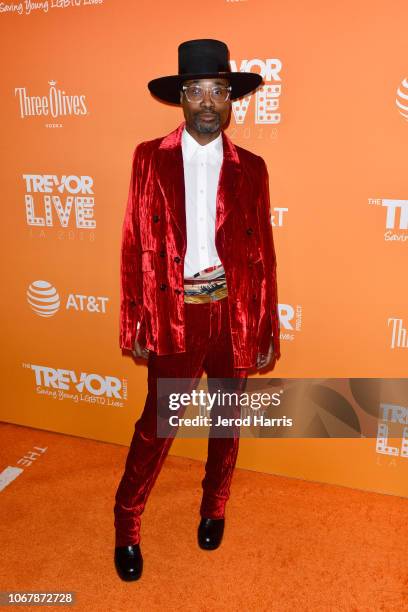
pixel 271 323
pixel 131 285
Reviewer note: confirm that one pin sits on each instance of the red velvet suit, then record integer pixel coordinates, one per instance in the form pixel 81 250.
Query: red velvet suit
pixel 221 337
pixel 155 241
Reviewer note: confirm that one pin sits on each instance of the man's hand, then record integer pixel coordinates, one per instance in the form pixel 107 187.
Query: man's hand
pixel 138 351
pixel 263 360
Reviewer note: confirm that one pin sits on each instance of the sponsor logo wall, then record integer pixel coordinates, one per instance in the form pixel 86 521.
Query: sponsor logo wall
pixel 331 122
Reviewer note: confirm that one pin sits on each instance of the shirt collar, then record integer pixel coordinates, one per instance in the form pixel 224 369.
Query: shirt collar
pixel 190 146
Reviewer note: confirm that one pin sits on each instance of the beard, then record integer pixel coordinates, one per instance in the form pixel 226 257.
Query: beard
pixel 206 127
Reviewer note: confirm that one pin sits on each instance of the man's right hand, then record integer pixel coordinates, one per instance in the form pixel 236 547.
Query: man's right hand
pixel 139 351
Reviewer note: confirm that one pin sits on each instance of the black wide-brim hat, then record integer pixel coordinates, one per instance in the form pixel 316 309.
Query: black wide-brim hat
pixel 203 58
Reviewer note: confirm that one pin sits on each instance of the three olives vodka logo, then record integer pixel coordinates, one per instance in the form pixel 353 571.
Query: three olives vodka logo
pixel 59 201
pixel 57 103
pixel 266 98
pixel 398 333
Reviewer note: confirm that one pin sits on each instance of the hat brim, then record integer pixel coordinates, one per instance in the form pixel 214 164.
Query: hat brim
pixel 168 88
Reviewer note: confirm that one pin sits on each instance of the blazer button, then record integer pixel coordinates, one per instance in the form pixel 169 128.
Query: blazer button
pixel 163 286
pixel 132 303
pixel 162 253
pixel 178 291
pixel 249 231
pixel 177 259
pixel 156 218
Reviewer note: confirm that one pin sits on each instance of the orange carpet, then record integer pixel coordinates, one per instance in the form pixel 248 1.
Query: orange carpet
pixel 288 544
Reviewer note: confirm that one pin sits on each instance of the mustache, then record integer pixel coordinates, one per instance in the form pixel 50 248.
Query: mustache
pixel 207 113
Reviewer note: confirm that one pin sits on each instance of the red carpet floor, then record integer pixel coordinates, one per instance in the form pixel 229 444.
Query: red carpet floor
pixel 288 544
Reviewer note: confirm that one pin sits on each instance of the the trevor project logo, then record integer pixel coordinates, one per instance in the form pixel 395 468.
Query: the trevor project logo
pixel 396 218
pixel 393 417
pixel 266 98
pixel 89 387
pixel 57 201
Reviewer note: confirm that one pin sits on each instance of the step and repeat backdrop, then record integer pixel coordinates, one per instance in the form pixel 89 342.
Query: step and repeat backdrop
pixel 331 122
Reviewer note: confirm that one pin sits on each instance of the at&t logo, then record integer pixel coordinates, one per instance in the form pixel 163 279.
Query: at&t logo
pixel 402 99
pixel 45 301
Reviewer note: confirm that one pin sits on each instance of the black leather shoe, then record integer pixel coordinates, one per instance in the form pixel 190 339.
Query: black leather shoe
pixel 210 533
pixel 129 562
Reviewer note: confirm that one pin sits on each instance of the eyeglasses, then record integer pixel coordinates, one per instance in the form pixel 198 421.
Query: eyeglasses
pixel 195 93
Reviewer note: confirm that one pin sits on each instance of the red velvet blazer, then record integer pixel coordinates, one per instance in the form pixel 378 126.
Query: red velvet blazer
pixel 154 243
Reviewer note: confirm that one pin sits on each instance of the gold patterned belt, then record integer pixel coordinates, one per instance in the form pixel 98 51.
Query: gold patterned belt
pixel 208 285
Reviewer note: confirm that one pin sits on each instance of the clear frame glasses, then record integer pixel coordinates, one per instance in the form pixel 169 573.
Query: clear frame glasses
pixel 195 93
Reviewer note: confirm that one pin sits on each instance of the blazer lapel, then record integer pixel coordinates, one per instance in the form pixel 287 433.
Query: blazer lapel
pixel 170 176
pixel 229 182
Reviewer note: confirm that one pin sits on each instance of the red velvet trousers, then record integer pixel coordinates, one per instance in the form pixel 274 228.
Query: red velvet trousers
pixel 209 349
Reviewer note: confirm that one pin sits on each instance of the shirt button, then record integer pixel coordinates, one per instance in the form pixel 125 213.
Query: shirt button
pixel 202 248
pixel 201 190
pixel 201 218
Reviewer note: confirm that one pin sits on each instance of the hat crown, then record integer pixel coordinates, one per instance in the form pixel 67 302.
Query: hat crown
pixel 202 56
pixel 201 59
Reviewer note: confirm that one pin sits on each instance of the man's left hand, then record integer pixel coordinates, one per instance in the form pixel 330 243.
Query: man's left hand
pixel 263 360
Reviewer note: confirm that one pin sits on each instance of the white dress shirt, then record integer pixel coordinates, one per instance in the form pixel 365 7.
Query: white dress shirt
pixel 202 165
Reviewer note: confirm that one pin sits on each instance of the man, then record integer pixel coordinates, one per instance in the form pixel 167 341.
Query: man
pixel 198 277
